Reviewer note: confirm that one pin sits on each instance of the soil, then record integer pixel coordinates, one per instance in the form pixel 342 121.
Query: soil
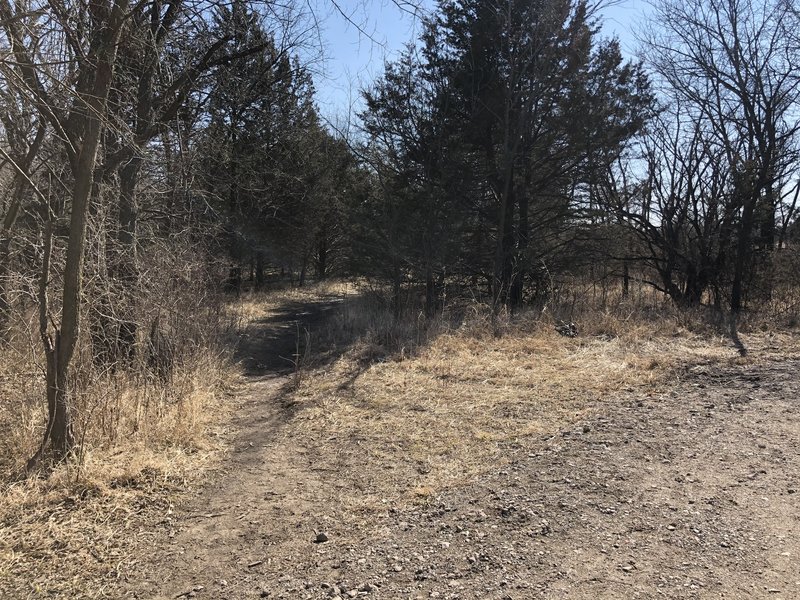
pixel 689 493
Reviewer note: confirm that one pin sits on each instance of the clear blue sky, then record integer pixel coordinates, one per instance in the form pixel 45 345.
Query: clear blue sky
pixel 356 45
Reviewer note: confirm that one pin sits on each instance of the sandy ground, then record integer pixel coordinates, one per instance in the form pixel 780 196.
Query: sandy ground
pixel 691 492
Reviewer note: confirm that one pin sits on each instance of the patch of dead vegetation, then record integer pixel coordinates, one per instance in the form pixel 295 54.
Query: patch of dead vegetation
pixel 437 416
pixel 143 443
pixel 254 306
pixel 65 536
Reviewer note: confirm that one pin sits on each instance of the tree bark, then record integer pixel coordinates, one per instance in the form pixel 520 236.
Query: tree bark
pixel 431 297
pixel 523 239
pixel 739 267
pixel 304 269
pixel 322 254
pixel 259 269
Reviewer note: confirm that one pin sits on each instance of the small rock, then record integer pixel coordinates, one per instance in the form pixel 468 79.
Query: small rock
pixel 586 429
pixel 367 587
pixel 320 538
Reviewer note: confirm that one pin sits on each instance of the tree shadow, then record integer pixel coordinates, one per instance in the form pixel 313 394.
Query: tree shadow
pixel 275 345
pixel 301 336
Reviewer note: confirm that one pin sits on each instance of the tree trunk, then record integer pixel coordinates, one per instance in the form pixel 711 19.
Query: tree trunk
pixel 259 269
pixel 303 270
pixel 503 266
pixel 322 255
pixel 626 279
pixel 396 290
pixel 67 338
pixel 523 239
pixel 430 293
pixel 742 252
pixel 91 106
pixel 58 430
pixel 508 248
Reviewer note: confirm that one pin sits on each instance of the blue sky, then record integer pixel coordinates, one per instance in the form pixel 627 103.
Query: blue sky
pixel 356 45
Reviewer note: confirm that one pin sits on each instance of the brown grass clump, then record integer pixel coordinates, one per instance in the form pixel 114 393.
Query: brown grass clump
pixel 112 409
pixel 65 535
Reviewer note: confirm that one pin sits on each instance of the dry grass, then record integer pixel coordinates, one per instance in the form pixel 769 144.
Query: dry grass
pixel 434 417
pixel 251 307
pixel 143 442
pixel 66 536
pixel 112 410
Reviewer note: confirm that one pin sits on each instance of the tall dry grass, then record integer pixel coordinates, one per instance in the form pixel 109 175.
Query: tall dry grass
pixel 146 431
pixel 146 400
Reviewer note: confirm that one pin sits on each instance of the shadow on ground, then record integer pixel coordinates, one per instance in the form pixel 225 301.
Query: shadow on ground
pixel 312 334
pixel 272 345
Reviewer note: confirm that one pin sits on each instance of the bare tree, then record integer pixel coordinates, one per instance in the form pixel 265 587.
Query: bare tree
pixel 90 56
pixel 732 63
pixel 681 211
pixel 24 135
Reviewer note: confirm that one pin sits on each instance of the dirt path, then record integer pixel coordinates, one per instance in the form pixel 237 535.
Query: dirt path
pixel 688 494
pixel 211 540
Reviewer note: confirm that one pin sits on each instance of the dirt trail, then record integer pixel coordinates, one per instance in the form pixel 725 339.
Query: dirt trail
pixel 250 503
pixel 689 494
